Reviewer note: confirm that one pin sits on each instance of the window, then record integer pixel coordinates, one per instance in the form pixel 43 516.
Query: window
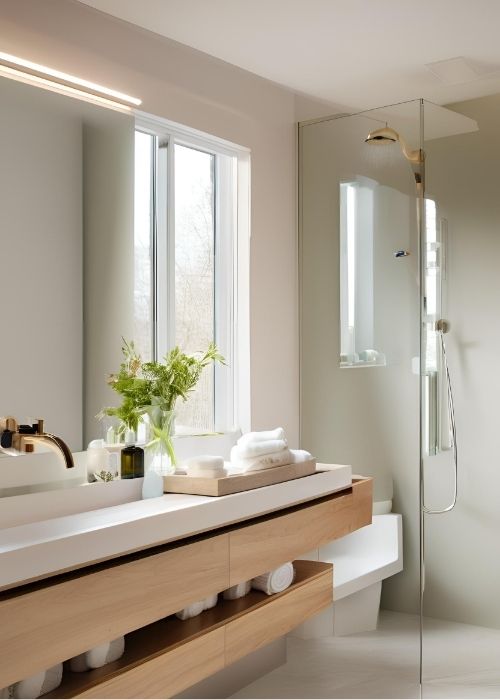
pixel 189 237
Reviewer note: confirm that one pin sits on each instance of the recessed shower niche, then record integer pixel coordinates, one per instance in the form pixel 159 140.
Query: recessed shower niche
pixel 374 236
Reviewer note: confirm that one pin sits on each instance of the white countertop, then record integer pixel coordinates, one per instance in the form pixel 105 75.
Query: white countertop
pixel 37 550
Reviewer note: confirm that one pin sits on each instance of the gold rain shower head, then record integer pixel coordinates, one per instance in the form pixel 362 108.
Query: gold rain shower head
pixel 386 135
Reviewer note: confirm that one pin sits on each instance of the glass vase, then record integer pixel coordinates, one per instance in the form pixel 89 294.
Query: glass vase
pixel 160 453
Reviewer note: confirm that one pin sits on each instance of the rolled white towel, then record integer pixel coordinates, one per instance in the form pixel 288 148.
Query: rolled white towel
pixel 98 656
pixel 275 581
pixel 191 610
pixel 78 664
pixel 206 466
pixel 276 434
pixel 105 653
pixel 256 449
pixel 39 684
pixel 211 601
pixel 252 464
pixel 301 456
pixel 238 591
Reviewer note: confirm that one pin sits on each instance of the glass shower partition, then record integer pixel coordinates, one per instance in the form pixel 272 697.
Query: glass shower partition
pixel 360 345
pixel 461 609
pixel 398 256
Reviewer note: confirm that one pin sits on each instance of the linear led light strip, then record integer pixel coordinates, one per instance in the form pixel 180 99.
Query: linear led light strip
pixel 27 71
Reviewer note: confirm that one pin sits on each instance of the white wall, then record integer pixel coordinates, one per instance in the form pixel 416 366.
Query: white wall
pixel 462 562
pixel 192 88
pixel 41 251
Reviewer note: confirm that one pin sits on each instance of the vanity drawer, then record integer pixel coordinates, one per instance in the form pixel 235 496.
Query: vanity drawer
pixel 267 544
pixel 277 617
pixel 167 674
pixel 59 620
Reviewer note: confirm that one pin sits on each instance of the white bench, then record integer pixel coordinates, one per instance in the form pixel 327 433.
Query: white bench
pixel 361 561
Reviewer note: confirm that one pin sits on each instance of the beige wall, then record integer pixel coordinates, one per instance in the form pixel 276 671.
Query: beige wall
pixel 192 88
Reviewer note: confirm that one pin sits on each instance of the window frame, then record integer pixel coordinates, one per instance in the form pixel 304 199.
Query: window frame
pixel 231 263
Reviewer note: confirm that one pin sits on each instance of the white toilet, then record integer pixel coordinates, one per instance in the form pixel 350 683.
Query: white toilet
pixel 361 561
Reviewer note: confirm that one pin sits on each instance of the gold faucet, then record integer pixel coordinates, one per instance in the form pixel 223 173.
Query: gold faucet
pixel 39 435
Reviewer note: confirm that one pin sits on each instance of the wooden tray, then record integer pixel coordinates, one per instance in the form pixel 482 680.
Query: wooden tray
pixel 203 486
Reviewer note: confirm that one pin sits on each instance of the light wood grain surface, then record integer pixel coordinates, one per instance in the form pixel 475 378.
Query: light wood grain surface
pixel 265 545
pixel 43 627
pixel 224 486
pixel 168 674
pixel 259 627
pixel 170 654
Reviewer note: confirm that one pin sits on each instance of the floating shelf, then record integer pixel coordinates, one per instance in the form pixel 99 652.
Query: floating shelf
pixel 166 657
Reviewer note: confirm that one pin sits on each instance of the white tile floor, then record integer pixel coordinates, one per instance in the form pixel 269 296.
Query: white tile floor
pixel 460 661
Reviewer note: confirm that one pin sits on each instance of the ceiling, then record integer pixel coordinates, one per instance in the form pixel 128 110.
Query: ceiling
pixel 356 53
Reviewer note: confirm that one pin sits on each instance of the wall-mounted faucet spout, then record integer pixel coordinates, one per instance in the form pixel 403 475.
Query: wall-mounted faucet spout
pixel 56 443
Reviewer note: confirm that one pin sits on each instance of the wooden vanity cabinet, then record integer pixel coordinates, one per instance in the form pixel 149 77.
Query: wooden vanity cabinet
pixel 50 621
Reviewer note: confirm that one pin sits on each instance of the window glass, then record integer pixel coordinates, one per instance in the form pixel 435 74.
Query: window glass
pixel 194 276
pixel 143 221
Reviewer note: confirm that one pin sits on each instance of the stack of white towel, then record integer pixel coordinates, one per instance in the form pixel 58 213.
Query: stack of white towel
pixel 264 450
pixel 261 450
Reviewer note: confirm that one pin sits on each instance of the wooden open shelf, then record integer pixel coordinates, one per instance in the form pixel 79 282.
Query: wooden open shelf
pixel 166 657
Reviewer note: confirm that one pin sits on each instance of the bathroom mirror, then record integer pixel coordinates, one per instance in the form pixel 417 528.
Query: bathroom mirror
pixel 67 223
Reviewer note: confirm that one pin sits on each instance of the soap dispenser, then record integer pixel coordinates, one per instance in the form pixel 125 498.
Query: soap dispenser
pixel 132 458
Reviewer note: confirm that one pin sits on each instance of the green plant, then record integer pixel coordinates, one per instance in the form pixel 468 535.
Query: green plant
pixel 159 384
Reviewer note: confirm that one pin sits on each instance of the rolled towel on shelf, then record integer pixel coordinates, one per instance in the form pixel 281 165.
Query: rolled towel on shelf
pixel 252 464
pixel 106 653
pixel 275 581
pixel 98 656
pixel 78 664
pixel 301 456
pixel 39 684
pixel 276 434
pixel 206 466
pixel 238 591
pixel 191 610
pixel 257 449
pixel 211 601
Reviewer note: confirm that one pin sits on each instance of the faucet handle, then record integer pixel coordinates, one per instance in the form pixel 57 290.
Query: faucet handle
pixel 40 426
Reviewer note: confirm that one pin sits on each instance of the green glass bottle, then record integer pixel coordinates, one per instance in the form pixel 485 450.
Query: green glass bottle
pixel 132 458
